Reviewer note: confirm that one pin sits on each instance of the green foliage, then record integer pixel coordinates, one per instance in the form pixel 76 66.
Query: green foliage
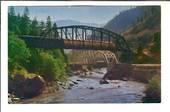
pixel 18 24
pixel 126 57
pixel 22 71
pixel 146 47
pixel 12 21
pixel 34 61
pixel 34 28
pixel 11 11
pixel 26 12
pixel 153 90
pixel 48 68
pixel 41 27
pixel 157 43
pixel 51 64
pixel 18 53
pixel 24 25
pixel 59 54
pixel 143 59
pixel 153 49
pixel 45 63
pixel 48 23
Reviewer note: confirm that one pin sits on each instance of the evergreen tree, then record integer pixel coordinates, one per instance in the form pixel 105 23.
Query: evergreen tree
pixel 42 27
pixel 55 28
pixel 34 29
pixel 26 12
pixel 11 11
pixel 48 24
pixel 11 19
pixel 25 22
pixel 55 25
pixel 51 63
pixel 42 24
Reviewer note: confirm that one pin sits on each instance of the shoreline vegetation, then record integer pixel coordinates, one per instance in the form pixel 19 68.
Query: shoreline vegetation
pixel 153 90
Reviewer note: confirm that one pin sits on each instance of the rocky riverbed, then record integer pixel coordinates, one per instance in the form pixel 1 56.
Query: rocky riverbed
pixel 88 90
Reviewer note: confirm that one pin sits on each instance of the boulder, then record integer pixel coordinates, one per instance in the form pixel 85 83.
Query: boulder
pixel 79 80
pixel 71 85
pixel 33 86
pixel 125 79
pixel 74 82
pixel 14 83
pixel 78 73
pixel 117 71
pixel 125 72
pixel 103 82
pixel 26 87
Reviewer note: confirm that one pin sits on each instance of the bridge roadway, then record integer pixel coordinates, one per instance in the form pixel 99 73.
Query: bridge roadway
pixel 38 42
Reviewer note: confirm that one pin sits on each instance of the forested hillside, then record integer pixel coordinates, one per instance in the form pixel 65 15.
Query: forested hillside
pixel 140 26
pixel 144 37
pixel 27 65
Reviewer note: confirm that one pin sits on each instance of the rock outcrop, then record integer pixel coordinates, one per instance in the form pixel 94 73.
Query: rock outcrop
pixel 26 87
pixel 118 72
pixel 140 72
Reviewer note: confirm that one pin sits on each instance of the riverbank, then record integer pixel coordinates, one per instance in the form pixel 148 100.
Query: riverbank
pixel 89 90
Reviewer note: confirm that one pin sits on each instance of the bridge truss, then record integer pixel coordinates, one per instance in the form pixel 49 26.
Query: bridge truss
pixel 92 57
pixel 78 37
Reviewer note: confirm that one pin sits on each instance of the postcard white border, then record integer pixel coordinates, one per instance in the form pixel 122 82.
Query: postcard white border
pixel 161 107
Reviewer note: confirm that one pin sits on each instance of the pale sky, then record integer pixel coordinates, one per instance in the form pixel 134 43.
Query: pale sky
pixel 86 14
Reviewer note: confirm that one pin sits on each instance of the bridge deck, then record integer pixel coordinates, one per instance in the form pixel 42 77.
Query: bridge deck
pixel 47 43
pixel 90 43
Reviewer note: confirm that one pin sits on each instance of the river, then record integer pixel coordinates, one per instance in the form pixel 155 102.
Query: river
pixel 89 90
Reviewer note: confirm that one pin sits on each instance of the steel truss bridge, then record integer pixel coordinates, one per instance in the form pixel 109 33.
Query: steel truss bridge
pixel 92 57
pixel 79 37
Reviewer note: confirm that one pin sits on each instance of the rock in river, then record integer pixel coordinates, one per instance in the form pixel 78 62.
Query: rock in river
pixel 90 88
pixel 102 81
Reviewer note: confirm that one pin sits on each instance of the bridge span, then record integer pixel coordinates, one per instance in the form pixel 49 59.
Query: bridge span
pixel 78 37
pixel 92 57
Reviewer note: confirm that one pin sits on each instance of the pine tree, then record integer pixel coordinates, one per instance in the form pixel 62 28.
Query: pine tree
pixel 55 25
pixel 26 12
pixel 48 25
pixel 25 22
pixel 11 11
pixel 55 29
pixel 42 27
pixel 34 29
pixel 11 19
